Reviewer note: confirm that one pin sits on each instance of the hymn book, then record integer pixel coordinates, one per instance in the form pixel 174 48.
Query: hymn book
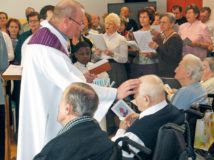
pixel 99 67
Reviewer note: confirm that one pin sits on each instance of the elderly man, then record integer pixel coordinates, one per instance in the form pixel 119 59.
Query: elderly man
pixel 81 136
pixel 155 112
pixel 96 25
pixel 132 25
pixel 188 73
pixel 47 72
pixel 177 11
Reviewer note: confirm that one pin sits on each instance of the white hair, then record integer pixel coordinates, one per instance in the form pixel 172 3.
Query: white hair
pixel 152 86
pixel 194 65
pixel 114 17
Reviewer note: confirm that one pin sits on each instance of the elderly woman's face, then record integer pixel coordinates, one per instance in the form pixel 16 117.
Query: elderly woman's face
pixel 180 72
pixel 165 24
pixel 191 16
pixel 144 19
pixel 110 26
pixel 207 74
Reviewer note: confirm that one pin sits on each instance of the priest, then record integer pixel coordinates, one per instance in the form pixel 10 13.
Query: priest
pixel 47 71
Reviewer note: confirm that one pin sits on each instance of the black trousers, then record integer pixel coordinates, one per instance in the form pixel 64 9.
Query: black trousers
pixel 2 131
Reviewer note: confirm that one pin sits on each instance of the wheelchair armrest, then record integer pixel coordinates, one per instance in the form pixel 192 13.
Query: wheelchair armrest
pixel 126 140
pixel 196 113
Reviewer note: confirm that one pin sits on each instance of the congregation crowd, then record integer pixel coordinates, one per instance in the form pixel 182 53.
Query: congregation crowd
pixel 55 49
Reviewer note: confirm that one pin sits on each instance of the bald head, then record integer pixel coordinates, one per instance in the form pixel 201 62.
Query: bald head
pixel 68 18
pixel 66 8
pixel 152 86
pixel 150 92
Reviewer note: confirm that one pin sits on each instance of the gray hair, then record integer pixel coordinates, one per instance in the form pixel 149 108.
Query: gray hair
pixel 83 98
pixel 66 8
pixel 152 86
pixel 194 65
pixel 170 16
pixel 115 18
pixel 210 61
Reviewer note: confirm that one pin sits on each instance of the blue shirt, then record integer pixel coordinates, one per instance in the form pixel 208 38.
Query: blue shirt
pixel 186 96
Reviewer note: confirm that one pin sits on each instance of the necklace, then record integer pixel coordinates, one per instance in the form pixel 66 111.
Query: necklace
pixel 167 37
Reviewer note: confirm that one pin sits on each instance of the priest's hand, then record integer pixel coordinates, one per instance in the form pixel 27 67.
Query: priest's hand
pixel 89 77
pixel 127 88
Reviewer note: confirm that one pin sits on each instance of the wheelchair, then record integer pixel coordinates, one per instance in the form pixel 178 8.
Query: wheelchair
pixel 173 143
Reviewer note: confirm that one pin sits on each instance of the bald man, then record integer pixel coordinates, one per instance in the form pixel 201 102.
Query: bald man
pixel 155 112
pixel 47 71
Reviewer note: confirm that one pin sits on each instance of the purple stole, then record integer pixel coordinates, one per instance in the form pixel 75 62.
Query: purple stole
pixel 45 37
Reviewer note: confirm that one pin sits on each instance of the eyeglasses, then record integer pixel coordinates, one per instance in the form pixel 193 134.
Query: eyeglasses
pixel 80 24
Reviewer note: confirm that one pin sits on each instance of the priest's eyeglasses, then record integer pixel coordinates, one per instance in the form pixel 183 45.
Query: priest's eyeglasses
pixel 80 24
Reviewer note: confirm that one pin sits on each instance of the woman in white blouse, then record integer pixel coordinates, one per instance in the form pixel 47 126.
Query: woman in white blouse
pixel 117 52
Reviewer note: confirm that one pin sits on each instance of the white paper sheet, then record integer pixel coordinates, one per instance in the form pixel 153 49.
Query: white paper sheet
pixel 143 39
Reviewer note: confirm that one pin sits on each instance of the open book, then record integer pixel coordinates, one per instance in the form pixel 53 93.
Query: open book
pixel 121 109
pixel 99 67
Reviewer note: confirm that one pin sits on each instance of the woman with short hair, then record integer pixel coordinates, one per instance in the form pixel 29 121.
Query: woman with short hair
pixel 145 62
pixel 170 49
pixel 196 31
pixel 117 52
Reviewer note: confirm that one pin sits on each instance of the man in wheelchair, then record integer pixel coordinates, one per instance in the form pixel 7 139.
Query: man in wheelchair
pixel 155 112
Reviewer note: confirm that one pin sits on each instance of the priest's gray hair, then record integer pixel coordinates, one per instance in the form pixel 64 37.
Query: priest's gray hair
pixel 194 65
pixel 152 86
pixel 170 16
pixel 66 8
pixel 115 18
pixel 83 98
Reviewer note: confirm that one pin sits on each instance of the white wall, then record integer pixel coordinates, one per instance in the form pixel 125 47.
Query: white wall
pixel 16 8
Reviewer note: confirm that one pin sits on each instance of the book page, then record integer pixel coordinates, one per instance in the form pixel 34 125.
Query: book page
pixel 13 70
pixel 143 39
pixel 98 40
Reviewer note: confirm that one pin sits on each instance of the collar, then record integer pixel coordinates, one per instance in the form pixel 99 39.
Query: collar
pixel 74 122
pixel 153 109
pixel 55 31
pixel 110 36
pixel 80 64
pixel 63 35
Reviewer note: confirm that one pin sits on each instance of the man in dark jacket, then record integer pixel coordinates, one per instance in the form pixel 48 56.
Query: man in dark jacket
pixel 81 136
pixel 155 112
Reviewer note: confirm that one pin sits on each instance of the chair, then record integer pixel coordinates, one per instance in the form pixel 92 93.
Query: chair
pixel 172 82
pixel 173 143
